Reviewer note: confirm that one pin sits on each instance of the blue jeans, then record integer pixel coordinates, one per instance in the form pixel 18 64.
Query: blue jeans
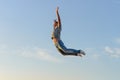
pixel 65 51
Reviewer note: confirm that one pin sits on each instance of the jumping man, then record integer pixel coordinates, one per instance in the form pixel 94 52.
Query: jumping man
pixel 58 42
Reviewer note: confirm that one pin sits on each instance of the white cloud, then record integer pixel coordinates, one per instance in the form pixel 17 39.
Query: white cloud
pixel 38 53
pixel 109 50
pixel 45 55
pixel 41 54
pixel 113 52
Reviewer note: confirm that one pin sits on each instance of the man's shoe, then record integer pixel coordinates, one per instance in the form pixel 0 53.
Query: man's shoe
pixel 81 53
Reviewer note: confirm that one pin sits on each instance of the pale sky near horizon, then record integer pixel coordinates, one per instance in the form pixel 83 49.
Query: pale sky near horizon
pixel 27 51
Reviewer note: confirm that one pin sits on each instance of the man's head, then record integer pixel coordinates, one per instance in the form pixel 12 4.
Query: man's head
pixel 55 23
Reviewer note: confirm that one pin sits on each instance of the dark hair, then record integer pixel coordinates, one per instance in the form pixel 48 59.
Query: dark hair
pixel 55 20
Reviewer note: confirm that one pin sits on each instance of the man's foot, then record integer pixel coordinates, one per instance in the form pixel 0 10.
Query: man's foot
pixel 81 53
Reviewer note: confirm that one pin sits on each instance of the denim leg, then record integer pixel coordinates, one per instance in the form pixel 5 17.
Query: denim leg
pixel 67 51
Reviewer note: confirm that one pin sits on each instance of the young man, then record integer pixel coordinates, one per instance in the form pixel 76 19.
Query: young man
pixel 58 42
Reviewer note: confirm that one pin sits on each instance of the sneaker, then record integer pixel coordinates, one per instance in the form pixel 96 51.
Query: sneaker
pixel 81 53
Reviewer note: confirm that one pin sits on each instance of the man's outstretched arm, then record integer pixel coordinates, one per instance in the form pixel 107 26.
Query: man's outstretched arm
pixel 58 17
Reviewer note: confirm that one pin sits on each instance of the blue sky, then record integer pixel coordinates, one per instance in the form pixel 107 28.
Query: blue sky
pixel 27 51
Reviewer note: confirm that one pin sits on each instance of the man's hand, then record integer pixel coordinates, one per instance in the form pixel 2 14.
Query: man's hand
pixel 57 9
pixel 58 17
